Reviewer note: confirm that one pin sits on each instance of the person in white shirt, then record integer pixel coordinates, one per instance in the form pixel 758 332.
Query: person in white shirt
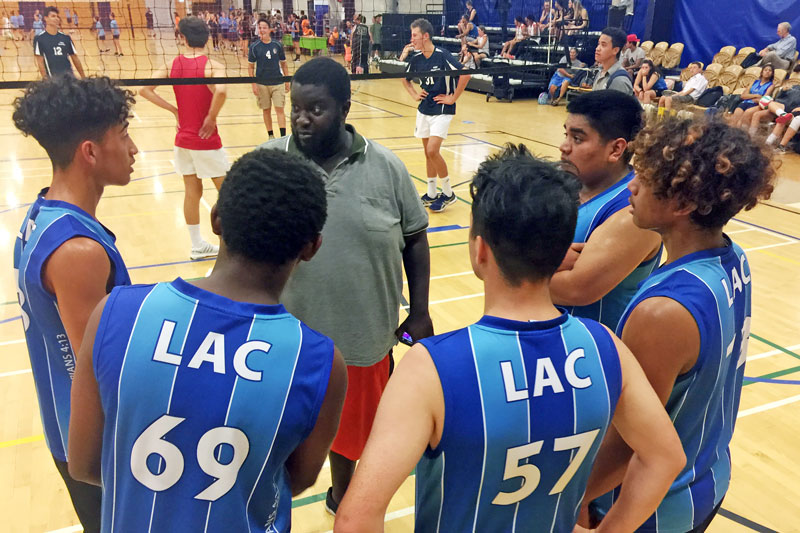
pixel 509 47
pixel 632 55
pixel 692 90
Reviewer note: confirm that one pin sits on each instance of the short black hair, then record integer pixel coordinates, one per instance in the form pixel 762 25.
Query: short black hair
pixel 424 26
pixel 62 112
pixel 519 18
pixel 618 37
pixel 325 72
pixel 271 204
pixel 613 114
pixel 526 210
pixel 195 30
pixel 50 9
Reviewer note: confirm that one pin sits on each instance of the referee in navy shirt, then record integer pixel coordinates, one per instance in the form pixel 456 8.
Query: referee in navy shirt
pixel 267 60
pixel 54 49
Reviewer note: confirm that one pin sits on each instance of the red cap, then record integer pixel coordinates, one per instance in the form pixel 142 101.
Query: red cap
pixel 632 38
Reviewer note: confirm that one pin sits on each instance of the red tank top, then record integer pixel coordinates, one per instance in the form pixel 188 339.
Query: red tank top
pixel 194 102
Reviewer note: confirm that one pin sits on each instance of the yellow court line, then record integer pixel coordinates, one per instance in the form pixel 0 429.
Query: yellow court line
pixel 25 440
pixel 778 256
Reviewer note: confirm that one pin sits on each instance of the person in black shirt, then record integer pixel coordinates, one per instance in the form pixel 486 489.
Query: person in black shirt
pixel 266 59
pixel 437 105
pixel 54 49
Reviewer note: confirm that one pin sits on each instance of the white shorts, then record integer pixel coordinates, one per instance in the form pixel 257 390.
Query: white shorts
pixel 203 163
pixel 432 126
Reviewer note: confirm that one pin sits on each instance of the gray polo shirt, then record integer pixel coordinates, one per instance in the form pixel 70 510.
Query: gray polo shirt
pixel 620 83
pixel 350 291
pixel 785 47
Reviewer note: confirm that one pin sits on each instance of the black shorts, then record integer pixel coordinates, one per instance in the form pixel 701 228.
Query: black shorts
pixel 85 498
pixel 101 37
pixel 377 47
pixel 116 37
pixel 295 38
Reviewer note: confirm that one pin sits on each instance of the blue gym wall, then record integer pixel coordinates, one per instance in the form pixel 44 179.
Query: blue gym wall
pixel 705 26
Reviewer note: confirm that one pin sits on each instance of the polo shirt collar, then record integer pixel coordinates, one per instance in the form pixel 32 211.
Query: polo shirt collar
pixel 358 147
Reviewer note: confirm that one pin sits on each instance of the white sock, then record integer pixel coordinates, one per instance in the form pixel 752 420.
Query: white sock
pixel 446 186
pixel 771 139
pixel 780 112
pixel 432 187
pixel 194 234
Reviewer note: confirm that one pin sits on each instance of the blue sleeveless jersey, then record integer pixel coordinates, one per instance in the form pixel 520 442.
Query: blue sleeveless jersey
pixel 714 286
pixel 591 215
pixel 204 400
pixel 526 407
pixel 48 224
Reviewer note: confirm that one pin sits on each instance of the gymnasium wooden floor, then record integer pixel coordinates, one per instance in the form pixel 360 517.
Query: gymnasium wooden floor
pixel 147 219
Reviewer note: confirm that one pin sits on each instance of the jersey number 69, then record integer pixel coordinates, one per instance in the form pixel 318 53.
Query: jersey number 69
pixel 151 441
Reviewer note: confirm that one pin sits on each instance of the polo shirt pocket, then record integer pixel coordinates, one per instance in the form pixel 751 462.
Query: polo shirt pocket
pixel 378 214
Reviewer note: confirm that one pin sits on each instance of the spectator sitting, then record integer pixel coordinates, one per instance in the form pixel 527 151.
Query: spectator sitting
pixel 465 57
pixel 692 90
pixel 781 53
pixel 479 47
pixel 333 40
pixel 544 20
pixel 579 20
pixel 563 75
pixel 466 29
pixel 633 55
pixel 308 31
pixel 472 14
pixel 509 47
pixel 611 75
pixel 767 109
pixel 649 83
pixel 786 134
pixel 761 87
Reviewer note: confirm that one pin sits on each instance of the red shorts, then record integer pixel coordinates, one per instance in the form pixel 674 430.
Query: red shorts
pixel 365 386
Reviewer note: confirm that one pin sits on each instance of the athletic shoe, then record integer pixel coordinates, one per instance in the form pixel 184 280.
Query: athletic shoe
pixel 205 250
pixel 783 119
pixel 781 149
pixel 427 200
pixel 441 202
pixel 330 504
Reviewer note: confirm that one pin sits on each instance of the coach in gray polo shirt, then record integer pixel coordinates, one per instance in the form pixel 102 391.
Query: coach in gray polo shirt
pixel 376 226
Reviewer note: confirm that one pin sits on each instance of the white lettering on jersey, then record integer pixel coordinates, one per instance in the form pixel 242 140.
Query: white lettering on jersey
pixel 546 376
pixel 211 350
pixel 739 280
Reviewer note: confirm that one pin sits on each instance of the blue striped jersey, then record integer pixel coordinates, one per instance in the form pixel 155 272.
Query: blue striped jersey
pixel 204 400
pixel 47 225
pixel 714 286
pixel 526 407
pixel 591 215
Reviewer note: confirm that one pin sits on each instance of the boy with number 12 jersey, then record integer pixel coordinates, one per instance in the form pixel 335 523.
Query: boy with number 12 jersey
pixel 206 406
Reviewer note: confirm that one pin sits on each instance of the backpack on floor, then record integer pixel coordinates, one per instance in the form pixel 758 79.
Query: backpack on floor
pixel 544 98
pixel 501 87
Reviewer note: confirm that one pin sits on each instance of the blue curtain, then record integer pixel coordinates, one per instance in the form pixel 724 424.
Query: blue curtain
pixel 705 26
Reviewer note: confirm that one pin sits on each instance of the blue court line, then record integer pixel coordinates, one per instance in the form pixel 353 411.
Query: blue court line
pixel 766 229
pixel 775 381
pixel 437 229
pixel 13 318
pixel 171 263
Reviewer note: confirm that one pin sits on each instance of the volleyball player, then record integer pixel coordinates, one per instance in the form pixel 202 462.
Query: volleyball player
pixel 437 105
pixel 65 260
pixel 198 147
pixel 238 399
pixel 689 322
pixel 266 59
pixel 506 416
pixel 54 49
pixel 615 255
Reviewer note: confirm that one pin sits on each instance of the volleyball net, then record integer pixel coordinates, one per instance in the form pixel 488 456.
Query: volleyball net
pixel 130 40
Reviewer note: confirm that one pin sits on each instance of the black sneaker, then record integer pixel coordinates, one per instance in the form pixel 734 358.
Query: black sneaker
pixel 330 504
pixel 427 200
pixel 441 202
pixel 781 149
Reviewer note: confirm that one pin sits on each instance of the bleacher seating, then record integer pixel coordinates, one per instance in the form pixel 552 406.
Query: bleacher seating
pixel 656 55
pixel 672 57
pixel 725 56
pixel 729 77
pixel 743 53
